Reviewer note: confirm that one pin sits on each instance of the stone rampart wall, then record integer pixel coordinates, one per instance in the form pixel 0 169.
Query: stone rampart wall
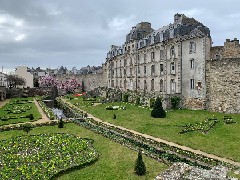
pixel 223 85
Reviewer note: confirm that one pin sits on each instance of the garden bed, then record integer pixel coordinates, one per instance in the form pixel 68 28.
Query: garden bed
pixel 19 110
pixel 43 156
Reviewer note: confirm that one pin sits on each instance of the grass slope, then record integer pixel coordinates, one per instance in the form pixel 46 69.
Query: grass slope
pixel 115 161
pixel 223 140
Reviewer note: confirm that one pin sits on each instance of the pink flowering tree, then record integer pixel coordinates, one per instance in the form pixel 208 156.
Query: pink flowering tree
pixel 48 81
pixel 69 85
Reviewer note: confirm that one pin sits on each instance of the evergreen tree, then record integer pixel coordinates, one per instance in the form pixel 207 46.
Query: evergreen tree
pixel 27 127
pixel 158 111
pixel 140 168
pixel 60 123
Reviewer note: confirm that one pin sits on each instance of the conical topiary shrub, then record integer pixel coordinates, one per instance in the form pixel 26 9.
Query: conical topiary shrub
pixel 60 123
pixel 140 168
pixel 158 111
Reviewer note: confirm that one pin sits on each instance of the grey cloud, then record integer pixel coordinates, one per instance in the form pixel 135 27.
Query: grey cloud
pixel 80 32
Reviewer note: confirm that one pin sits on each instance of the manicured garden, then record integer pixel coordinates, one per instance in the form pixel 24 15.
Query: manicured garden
pixel 43 156
pixel 19 110
pixel 209 132
pixel 115 161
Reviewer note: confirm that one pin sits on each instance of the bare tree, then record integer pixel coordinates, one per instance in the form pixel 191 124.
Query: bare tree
pixel 14 81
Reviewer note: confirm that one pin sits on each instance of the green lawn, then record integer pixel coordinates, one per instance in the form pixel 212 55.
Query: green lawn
pixel 9 105
pixel 223 140
pixel 115 162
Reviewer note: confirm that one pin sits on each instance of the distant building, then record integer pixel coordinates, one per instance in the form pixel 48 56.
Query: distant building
pixel 22 71
pixel 3 79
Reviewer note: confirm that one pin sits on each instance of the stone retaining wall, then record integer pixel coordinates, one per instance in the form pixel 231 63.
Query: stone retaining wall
pixel 223 85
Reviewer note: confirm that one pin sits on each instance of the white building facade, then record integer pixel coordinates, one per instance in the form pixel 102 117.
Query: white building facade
pixel 22 71
pixel 169 61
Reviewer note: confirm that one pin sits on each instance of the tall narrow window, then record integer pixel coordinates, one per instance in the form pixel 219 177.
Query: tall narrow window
pixel 138 70
pixel 173 86
pixel 145 70
pixel 161 85
pixel 152 85
pixel 152 70
pixel 161 54
pixel 192 63
pixel 145 85
pixel 125 72
pixel 172 68
pixel 191 83
pixel 172 52
pixel 152 56
pixel 192 48
pixel 138 57
pixel 161 69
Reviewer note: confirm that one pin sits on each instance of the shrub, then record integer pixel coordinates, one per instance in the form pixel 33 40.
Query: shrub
pixel 175 100
pixel 125 97
pixel 60 123
pixel 140 168
pixel 31 116
pixel 152 101
pixel 138 101
pixel 27 127
pixel 158 111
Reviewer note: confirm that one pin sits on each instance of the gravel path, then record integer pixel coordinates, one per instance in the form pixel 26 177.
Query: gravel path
pixel 164 141
pixel 44 117
pixel 2 103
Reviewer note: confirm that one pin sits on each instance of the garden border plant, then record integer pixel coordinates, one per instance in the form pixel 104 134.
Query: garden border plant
pixel 48 111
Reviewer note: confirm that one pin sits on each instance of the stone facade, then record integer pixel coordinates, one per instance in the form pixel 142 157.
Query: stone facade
pixel 167 62
pixel 91 81
pixel 223 85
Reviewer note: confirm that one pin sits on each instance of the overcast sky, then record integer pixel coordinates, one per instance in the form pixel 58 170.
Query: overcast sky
pixel 51 33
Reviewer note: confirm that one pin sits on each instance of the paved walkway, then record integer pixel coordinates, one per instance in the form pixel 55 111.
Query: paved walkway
pixel 164 141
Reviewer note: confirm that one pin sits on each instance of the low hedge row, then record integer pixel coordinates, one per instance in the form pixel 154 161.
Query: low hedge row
pixel 158 150
pixel 20 126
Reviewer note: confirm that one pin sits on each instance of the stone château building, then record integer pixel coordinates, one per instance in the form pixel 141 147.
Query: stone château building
pixel 169 61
